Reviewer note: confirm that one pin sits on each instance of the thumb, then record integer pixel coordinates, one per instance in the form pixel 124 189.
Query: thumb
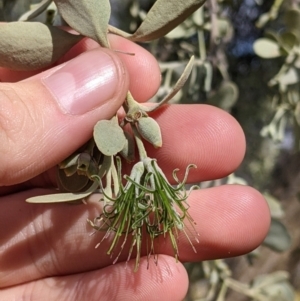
pixel 46 117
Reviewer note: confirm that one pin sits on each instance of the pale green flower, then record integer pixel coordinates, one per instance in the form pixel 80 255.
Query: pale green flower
pixel 147 202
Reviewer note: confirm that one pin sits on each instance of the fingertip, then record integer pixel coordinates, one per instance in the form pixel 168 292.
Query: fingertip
pixel 203 135
pixel 163 275
pixel 232 220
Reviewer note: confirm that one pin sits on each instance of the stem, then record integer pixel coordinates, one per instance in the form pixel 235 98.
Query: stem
pixel 214 34
pixel 222 292
pixel 201 44
pixel 244 289
pixel 275 8
pixel 132 108
pixel 119 32
pixel 140 145
pixel 115 178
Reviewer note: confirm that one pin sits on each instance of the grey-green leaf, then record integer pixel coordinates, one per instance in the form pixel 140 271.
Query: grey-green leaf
pixel 150 131
pixel 33 13
pixel 179 84
pixel 267 48
pixel 62 197
pixel 226 96
pixel 57 198
pixel 292 21
pixel 274 286
pixel 128 151
pixel 33 45
pixel 88 17
pixel 278 238
pixel 274 205
pixel 109 137
pixel 163 17
pixel 70 161
pixel 71 182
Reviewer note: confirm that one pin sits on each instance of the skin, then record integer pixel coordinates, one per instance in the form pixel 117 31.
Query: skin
pixel 46 250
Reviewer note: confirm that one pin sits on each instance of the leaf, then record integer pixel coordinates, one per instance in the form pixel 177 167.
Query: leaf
pixel 70 161
pixel 72 183
pixel 179 84
pixel 278 238
pixel 282 291
pixel 62 197
pixel 128 151
pixel 266 48
pixel 292 21
pixel 224 27
pixel 39 8
pixel 263 20
pixel 33 45
pixel 109 137
pixel 226 96
pixel 163 17
pixel 264 280
pixel 150 131
pixel 88 17
pixel 287 41
pixel 274 286
pixel 181 32
pixel 274 205
pixel 289 78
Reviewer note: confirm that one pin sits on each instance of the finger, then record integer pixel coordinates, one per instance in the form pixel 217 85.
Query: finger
pixel 168 280
pixel 142 67
pixel 202 135
pixel 137 60
pixel 44 240
pixel 47 117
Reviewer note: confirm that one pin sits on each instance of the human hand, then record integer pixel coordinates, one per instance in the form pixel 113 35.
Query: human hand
pixel 46 252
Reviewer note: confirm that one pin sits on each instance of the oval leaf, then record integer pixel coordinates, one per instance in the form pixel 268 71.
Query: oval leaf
pixel 292 21
pixel 150 131
pixel 263 20
pixel 109 137
pixel 287 41
pixel 90 18
pixel 33 45
pixel 163 17
pixel 266 48
pixel 226 96
pixel 278 238
pixel 274 205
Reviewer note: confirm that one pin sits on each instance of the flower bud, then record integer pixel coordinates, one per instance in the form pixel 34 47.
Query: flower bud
pixel 150 131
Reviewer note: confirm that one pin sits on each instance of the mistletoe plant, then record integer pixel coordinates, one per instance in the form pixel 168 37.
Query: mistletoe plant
pixel 143 201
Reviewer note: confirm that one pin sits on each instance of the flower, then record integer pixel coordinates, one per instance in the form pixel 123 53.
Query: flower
pixel 146 202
